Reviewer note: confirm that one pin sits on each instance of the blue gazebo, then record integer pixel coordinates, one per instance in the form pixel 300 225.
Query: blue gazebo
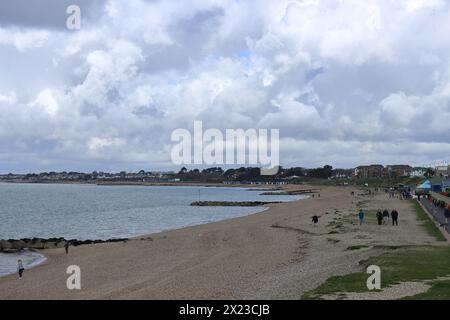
pixel 426 186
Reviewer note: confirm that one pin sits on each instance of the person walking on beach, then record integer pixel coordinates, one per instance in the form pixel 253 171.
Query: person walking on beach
pixel 385 216
pixel 361 217
pixel 394 215
pixel 20 268
pixel 380 217
pixel 315 219
pixel 66 247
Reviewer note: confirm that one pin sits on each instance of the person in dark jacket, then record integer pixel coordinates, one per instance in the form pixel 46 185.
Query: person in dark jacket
pixel 315 219
pixel 394 215
pixel 380 217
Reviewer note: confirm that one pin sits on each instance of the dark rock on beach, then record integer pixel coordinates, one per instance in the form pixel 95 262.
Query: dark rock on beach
pixel 16 245
pixel 291 192
pixel 231 203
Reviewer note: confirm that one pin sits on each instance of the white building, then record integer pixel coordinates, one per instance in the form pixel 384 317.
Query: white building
pixel 442 171
pixel 417 173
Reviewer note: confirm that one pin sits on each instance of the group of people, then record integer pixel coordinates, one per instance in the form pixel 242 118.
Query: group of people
pixel 436 204
pixel 382 217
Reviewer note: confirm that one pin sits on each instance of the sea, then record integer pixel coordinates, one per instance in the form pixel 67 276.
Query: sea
pixel 84 211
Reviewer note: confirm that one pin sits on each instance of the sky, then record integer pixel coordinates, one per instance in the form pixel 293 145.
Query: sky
pixel 346 82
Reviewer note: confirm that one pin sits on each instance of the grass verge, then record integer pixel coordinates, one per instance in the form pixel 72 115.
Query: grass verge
pixel 439 291
pixel 401 264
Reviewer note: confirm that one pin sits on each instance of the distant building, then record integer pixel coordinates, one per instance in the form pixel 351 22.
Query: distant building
pixel 372 171
pixel 379 171
pixel 442 171
pixel 436 184
pixel 417 172
pixel 231 182
pixel 398 170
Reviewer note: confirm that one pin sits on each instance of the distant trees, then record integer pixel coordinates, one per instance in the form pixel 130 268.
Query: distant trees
pixel 324 173
pixel 298 171
pixel 243 173
pixel 213 174
pixel 183 170
pixel 429 173
pixel 214 170
pixel 254 173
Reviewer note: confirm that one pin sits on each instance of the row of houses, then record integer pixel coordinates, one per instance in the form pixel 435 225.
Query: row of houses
pixel 401 170
pixel 141 176
pixel 380 171
pixel 442 171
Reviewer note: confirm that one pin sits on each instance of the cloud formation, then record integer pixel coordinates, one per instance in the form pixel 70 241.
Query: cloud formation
pixel 347 82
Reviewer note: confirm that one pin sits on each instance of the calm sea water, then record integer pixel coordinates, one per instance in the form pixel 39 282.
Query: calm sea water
pixel 103 212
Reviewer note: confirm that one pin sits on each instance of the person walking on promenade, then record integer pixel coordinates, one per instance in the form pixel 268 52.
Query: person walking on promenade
pixel 20 268
pixel 394 215
pixel 361 216
pixel 380 217
pixel 447 214
pixel 66 247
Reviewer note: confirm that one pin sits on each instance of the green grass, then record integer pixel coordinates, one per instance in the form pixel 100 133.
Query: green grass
pixel 398 265
pixel 439 291
pixel 386 182
pixel 427 223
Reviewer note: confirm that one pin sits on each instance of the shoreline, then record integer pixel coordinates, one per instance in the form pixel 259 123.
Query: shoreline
pixel 41 252
pixel 138 245
pixel 274 254
pixel 39 259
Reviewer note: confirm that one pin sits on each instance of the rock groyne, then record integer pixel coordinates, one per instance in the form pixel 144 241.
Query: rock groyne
pixel 231 203
pixel 16 245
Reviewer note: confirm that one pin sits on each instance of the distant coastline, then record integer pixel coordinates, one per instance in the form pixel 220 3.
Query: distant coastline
pixel 148 184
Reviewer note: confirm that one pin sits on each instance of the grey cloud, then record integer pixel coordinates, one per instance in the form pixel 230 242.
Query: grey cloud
pixel 110 95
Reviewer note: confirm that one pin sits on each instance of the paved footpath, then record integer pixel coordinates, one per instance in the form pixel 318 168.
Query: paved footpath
pixel 437 213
